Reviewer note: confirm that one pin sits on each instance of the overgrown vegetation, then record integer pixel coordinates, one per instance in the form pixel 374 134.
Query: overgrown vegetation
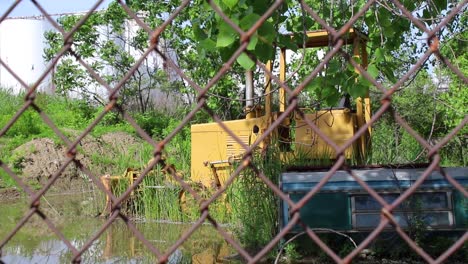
pixel 72 116
pixel 255 227
pixel 254 205
pixel 432 106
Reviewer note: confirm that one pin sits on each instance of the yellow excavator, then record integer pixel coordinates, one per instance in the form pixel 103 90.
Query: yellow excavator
pixel 214 151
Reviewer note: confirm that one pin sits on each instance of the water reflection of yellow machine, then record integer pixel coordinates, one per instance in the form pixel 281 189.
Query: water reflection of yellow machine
pixel 215 254
pixel 204 246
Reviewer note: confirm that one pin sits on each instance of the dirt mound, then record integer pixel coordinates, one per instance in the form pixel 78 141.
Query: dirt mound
pixel 38 160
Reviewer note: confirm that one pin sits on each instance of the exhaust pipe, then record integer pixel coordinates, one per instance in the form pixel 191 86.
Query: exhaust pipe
pixel 249 94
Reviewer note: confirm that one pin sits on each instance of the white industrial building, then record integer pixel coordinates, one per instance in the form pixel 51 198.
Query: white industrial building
pixel 22 45
pixel 21 49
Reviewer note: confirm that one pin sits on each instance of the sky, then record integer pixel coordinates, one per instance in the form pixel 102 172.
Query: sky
pixel 26 8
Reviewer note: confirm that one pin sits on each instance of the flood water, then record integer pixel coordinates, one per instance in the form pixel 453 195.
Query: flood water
pixel 73 215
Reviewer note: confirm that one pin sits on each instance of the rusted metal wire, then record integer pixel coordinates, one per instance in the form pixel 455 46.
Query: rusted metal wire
pixel 202 95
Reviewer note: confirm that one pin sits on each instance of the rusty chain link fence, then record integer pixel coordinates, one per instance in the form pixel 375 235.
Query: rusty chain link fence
pixel 202 90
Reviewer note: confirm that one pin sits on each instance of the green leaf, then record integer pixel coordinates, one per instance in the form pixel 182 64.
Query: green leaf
pixel 441 4
pixel 331 95
pixel 308 22
pixel 379 56
pixel 358 90
pixel 227 35
pixel 245 61
pixel 314 85
pixel 336 79
pixel 259 6
pixel 264 51
pixel 389 74
pixel 389 32
pixel 372 70
pixel 369 18
pixel 299 38
pixel 207 44
pixel 198 33
pixel 227 52
pixel 248 21
pixel 287 42
pixel 267 31
pixel 334 66
pixel 426 14
pixel 385 22
pixel 350 67
pixel 230 3
pixel 253 42
pixel 363 81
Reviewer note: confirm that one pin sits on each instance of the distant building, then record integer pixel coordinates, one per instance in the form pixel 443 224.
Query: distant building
pixel 22 45
pixel 21 49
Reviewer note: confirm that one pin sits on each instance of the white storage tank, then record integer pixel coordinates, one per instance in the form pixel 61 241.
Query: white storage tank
pixel 22 46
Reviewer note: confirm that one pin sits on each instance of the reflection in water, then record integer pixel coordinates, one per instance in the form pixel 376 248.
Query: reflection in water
pixel 36 244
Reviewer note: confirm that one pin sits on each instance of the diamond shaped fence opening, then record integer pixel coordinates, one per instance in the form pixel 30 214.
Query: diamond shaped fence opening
pixel 238 131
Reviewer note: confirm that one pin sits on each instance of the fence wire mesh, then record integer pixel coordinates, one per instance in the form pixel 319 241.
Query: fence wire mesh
pixel 202 91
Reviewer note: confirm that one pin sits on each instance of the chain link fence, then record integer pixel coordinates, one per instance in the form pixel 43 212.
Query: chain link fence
pixel 203 92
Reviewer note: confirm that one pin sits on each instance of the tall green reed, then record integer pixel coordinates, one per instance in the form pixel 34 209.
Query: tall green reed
pixel 254 205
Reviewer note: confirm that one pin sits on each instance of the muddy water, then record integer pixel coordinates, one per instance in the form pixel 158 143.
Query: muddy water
pixel 73 215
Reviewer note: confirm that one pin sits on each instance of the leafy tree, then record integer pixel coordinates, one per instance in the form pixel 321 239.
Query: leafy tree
pixel 108 45
pixel 417 104
pixel 202 41
pixel 387 28
pixel 454 100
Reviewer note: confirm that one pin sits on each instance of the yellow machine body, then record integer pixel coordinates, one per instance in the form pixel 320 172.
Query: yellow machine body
pixel 214 150
pixel 337 124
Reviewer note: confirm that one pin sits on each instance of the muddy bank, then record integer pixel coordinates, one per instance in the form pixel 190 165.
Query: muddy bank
pixel 37 161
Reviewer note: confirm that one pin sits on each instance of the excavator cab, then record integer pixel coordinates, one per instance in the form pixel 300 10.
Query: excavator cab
pixel 214 150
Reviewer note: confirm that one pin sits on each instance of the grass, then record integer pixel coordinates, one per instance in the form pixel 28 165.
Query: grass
pixel 254 205
pixel 159 198
pixel 155 198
